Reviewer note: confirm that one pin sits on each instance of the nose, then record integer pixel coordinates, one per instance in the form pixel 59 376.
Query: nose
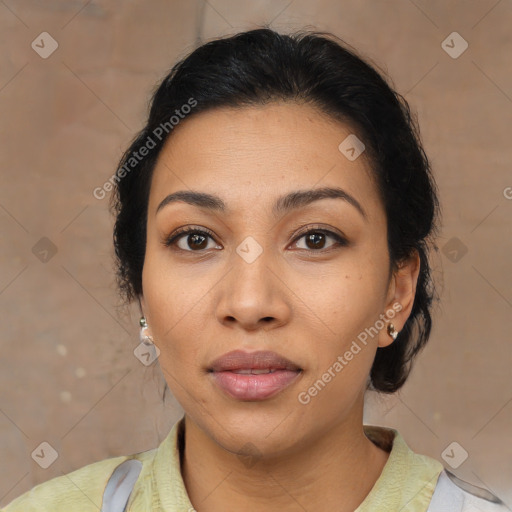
pixel 253 295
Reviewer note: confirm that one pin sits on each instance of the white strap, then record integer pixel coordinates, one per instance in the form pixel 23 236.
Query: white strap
pixel 120 485
pixel 454 495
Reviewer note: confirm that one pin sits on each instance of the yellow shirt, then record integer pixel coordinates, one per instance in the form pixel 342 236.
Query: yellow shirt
pixel 408 479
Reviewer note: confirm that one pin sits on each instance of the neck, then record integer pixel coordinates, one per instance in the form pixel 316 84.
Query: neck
pixel 335 471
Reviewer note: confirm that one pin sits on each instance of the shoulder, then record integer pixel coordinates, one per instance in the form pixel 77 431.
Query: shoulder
pixel 81 490
pixel 453 494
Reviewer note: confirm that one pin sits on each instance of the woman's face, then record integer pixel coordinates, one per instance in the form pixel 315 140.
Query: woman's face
pixel 303 276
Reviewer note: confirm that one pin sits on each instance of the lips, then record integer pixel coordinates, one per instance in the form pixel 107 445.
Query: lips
pixel 261 360
pixel 253 375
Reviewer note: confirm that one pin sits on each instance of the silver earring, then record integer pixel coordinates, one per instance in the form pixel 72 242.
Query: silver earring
pixel 392 331
pixel 144 336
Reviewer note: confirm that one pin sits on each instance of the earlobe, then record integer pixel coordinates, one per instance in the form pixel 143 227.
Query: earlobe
pixel 403 292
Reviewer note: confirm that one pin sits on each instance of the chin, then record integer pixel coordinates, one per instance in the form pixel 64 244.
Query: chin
pixel 250 429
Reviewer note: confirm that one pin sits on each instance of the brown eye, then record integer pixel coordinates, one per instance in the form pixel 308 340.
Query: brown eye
pixel 190 239
pixel 316 239
pixel 196 241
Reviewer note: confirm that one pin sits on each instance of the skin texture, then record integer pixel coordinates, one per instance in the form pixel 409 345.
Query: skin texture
pixel 305 303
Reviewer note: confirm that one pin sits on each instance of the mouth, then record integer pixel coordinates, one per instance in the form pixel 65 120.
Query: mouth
pixel 256 371
pixel 253 376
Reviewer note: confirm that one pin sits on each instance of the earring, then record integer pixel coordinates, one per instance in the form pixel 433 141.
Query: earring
pixel 392 331
pixel 144 336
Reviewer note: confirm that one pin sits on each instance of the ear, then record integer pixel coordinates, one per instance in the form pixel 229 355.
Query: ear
pixel 400 298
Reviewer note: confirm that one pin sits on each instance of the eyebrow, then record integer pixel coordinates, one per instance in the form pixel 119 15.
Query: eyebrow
pixel 291 201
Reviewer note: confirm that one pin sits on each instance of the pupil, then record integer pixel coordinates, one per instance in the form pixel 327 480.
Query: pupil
pixel 316 239
pixel 194 244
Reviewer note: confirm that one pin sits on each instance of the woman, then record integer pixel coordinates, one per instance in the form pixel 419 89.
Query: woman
pixel 273 220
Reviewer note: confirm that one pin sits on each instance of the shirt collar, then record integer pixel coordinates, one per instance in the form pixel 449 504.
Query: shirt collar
pixel 408 479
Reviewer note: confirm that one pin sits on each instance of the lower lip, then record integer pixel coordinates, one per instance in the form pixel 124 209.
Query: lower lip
pixel 243 386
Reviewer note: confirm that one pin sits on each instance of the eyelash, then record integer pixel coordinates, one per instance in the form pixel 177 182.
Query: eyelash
pixel 189 230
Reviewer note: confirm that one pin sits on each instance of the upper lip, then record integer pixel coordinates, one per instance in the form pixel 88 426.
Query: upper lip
pixel 241 360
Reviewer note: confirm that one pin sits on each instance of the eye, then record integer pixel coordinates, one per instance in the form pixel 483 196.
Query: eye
pixel 190 239
pixel 193 239
pixel 315 239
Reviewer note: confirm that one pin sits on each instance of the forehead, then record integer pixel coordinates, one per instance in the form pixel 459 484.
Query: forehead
pixel 249 152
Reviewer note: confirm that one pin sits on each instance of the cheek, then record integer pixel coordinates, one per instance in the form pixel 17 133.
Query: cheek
pixel 171 301
pixel 349 302
pixel 350 298
pixel 167 292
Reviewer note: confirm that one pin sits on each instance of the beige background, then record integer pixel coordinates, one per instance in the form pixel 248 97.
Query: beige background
pixel 68 375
